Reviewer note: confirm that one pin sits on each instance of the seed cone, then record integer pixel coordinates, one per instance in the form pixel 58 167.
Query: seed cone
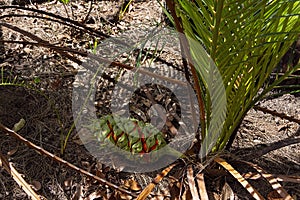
pixel 130 135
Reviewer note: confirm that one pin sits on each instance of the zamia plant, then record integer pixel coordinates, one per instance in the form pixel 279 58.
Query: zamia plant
pixel 246 40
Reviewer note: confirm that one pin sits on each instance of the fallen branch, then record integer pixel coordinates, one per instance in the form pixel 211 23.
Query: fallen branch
pixel 73 24
pixel 270 147
pixel 64 51
pixel 64 19
pixel 61 161
pixel 277 114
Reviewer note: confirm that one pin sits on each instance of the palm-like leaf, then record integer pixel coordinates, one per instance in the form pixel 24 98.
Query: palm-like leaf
pixel 246 40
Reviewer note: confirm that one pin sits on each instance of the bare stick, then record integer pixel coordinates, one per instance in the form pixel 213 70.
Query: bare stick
pixel 61 161
pixel 277 114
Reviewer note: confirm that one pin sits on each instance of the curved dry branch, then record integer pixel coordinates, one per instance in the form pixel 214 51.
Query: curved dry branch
pixel 58 17
pixel 50 19
pixel 74 24
pixel 61 161
pixel 277 114
pixel 270 147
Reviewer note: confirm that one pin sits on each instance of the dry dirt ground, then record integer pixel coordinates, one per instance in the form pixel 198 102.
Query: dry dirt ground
pixel 46 105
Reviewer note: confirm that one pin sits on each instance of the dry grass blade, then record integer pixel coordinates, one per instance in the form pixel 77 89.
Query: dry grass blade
pixel 254 193
pixel 202 188
pixel 273 181
pixel 191 182
pixel 18 178
pixel 145 193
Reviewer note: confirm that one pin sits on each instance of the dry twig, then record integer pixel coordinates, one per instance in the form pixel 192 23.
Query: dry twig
pixel 61 161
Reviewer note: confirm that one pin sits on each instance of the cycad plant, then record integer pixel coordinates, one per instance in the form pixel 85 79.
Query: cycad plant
pixel 246 40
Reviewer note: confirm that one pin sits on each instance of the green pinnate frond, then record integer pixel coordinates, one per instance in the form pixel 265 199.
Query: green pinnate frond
pixel 246 40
